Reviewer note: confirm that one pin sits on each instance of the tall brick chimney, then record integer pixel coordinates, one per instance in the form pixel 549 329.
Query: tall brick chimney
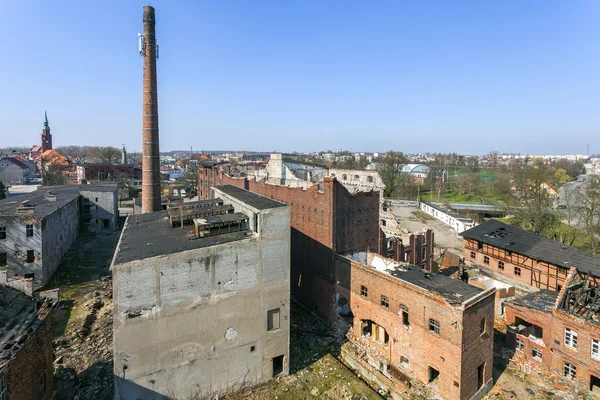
pixel 150 150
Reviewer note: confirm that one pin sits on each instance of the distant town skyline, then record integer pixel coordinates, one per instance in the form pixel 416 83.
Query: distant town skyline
pixel 462 77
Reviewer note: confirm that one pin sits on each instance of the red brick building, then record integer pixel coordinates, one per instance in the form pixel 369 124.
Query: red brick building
pixel 560 332
pixel 325 219
pixel 413 248
pixel 410 322
pixel 26 370
pixel 104 172
pixel 523 256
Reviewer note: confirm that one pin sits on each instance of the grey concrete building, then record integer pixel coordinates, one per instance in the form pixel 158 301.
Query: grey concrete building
pixel 37 228
pixel 202 297
pixel 14 170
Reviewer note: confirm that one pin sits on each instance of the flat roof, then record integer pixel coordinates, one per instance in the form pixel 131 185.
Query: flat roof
pixel 453 290
pixel 534 246
pixel 43 207
pixel 252 199
pixel 447 211
pixel 17 315
pixel 221 218
pixel 151 235
pixel 543 300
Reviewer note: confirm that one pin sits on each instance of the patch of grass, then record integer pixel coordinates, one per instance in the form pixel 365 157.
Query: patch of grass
pixel 453 196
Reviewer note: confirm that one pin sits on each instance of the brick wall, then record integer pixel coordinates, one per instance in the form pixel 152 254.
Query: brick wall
pixel 455 352
pixel 536 317
pixel 532 272
pixel 325 219
pixel 414 248
pixel 580 357
pixel 32 360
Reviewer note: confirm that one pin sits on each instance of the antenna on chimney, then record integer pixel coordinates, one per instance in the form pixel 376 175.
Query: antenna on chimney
pixel 141 44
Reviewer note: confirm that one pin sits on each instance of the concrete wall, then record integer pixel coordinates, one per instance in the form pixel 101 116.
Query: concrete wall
pixel 459 225
pixel 60 229
pixel 103 210
pixel 10 173
pixel 185 323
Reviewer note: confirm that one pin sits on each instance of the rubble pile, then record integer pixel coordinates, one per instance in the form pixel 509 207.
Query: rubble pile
pixel 83 366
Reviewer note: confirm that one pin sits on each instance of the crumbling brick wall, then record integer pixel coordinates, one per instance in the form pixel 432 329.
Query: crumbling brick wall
pixel 24 372
pixel 446 352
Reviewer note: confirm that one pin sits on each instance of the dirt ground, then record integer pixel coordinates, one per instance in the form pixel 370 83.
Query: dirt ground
pixel 82 324
pixel 445 237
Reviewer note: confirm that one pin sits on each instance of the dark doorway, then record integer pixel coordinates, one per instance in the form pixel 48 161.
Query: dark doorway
pixel 433 374
pixel 480 375
pixel 277 365
pixel 595 384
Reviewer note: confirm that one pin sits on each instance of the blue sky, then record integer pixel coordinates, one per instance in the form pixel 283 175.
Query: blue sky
pixel 461 76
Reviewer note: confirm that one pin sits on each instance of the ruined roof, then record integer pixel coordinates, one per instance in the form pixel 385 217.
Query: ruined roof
pixel 453 290
pixel 249 198
pixel 151 235
pixel 529 244
pixel 44 207
pixel 543 300
pixel 18 318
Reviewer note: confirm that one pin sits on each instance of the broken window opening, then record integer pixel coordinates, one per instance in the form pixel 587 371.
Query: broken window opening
pixel 432 374
pixel 536 353
pixel 404 310
pixel 277 365
pixel 2 232
pixel 482 326
pixel 569 370
pixel 30 256
pixel 374 331
pixel 594 384
pixel 528 329
pixel 480 376
pixel 3 259
pixel 519 345
pixel 434 326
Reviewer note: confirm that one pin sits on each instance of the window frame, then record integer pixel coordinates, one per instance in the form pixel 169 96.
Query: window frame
pixel 486 260
pixel 595 354
pixel 501 265
pixel 270 320
pixel 535 350
pixel 473 255
pixel 2 232
pixel 517 271
pixel 385 302
pixel 519 345
pixel 570 338
pixel 28 230
pixel 405 315
pixel 572 370
pixel 434 326
pixel 364 291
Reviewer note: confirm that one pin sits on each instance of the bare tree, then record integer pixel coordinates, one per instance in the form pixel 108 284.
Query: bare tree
pixel 589 211
pixel 108 155
pixel 389 167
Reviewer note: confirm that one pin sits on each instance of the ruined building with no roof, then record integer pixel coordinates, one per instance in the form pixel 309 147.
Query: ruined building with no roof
pixel 202 297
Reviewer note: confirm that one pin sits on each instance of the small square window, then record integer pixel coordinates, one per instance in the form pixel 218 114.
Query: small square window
pixel 517 271
pixel 364 291
pixel 519 345
pixel 501 265
pixel 252 348
pixel 536 353
pixel 29 230
pixel 473 255
pixel 434 326
pixel 486 260
pixel 385 302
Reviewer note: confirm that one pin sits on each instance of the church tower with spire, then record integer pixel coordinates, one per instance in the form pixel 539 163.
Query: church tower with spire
pixel 46 135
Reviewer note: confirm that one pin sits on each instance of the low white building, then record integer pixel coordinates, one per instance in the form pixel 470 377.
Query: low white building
pixel 454 220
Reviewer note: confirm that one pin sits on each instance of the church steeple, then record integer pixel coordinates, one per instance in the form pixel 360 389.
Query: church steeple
pixel 46 135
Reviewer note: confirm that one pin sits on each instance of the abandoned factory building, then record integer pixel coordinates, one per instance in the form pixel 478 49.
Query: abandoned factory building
pixel 26 370
pixel 560 331
pixel 325 219
pixel 408 322
pixel 37 229
pixel 202 297
pixel 524 256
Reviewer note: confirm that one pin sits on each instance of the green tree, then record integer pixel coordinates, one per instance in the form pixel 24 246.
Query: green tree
pixel 561 177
